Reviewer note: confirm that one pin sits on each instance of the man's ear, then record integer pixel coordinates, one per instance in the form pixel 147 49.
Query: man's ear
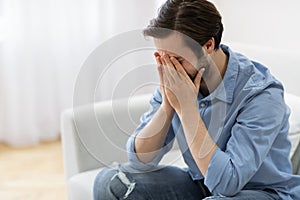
pixel 209 46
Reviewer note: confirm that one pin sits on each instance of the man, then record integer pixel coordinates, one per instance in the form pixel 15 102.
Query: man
pixel 226 112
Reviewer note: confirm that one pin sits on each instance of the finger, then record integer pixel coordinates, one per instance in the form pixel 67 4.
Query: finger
pixel 161 79
pixel 157 58
pixel 198 78
pixel 159 69
pixel 179 67
pixel 164 73
pixel 167 75
pixel 163 61
pixel 158 61
pixel 167 80
pixel 167 60
pixel 170 70
pixel 172 74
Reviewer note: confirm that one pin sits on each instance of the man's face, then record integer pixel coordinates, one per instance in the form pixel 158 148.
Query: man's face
pixel 174 46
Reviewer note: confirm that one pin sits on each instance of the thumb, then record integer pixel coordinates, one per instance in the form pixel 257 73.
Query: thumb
pixel 198 78
pixel 160 73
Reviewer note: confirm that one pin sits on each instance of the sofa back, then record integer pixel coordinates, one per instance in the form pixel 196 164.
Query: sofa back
pixel 95 135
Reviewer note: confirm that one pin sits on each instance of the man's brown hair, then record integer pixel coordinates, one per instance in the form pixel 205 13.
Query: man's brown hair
pixel 198 19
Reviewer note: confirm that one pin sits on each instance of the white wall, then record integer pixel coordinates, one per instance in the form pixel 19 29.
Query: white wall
pixel 265 30
pixel 263 22
pixel 269 28
pixel 122 78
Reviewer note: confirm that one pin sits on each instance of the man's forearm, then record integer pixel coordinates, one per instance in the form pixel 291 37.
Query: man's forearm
pixel 200 143
pixel 151 138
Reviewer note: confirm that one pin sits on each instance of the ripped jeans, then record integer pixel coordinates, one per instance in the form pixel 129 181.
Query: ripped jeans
pixel 165 183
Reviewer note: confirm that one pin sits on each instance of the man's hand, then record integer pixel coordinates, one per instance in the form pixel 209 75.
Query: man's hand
pixel 180 90
pixel 165 102
pixel 181 93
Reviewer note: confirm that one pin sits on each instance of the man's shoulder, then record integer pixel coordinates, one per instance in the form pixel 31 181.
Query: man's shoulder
pixel 253 78
pixel 254 75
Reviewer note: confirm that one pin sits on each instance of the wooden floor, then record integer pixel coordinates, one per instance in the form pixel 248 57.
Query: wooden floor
pixel 34 173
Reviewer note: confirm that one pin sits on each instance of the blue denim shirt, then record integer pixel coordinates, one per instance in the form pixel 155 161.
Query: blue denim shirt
pixel 248 119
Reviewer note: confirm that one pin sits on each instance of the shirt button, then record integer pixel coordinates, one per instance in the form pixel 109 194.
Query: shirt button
pixel 202 105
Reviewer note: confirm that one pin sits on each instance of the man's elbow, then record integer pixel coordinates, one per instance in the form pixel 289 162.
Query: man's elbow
pixel 225 191
pixel 230 184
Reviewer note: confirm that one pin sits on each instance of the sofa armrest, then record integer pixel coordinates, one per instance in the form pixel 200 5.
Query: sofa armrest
pixel 69 144
pixel 95 135
pixel 296 160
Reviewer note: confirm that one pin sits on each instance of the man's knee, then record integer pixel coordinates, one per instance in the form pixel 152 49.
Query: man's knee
pixel 113 184
pixel 102 182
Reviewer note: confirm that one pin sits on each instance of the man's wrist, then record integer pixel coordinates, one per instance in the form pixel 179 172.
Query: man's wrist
pixel 168 109
pixel 190 113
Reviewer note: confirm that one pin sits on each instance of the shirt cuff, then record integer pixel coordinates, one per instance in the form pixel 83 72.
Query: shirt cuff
pixel 215 171
pixel 135 163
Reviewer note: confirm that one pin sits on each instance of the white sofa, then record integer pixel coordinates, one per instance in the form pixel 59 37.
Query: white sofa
pixel 94 136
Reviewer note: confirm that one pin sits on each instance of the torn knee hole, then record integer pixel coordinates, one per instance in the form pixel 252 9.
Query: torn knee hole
pixel 130 185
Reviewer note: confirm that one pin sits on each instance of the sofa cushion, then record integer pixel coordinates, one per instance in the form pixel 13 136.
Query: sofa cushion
pixel 294 103
pixel 80 186
pixel 294 133
pixel 295 139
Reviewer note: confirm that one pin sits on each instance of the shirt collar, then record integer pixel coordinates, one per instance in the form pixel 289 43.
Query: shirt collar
pixel 225 90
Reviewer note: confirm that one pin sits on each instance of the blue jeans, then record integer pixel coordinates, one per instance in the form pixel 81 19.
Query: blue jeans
pixel 168 183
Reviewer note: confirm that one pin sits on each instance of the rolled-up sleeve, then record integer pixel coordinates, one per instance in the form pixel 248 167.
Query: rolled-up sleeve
pixel 155 103
pixel 256 128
